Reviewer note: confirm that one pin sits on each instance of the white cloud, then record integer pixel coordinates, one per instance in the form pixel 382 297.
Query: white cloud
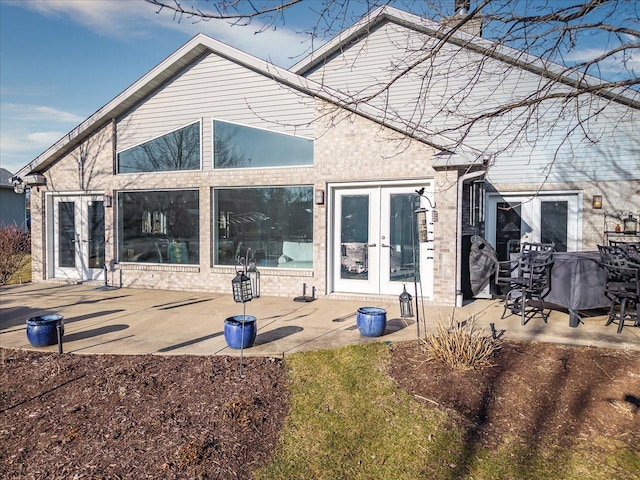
pixel 277 46
pixel 14 143
pixel 39 113
pixel 28 130
pixel 612 67
pixel 106 17
pixel 19 148
pixel 131 19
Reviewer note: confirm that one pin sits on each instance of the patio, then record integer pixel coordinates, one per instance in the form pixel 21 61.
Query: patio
pixel 137 321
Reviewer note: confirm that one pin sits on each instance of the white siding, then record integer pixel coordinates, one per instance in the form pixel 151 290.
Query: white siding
pixel 548 142
pixel 217 88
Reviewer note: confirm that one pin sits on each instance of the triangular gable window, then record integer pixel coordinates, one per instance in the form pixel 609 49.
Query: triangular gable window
pixel 177 150
pixel 240 146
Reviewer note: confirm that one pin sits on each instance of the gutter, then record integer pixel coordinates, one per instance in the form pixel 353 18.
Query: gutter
pixel 461 181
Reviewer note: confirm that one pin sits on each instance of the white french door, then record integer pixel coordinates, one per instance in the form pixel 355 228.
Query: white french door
pixel 545 218
pixel 78 237
pixel 375 246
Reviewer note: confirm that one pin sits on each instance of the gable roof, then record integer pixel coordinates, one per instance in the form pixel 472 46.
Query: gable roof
pixel 511 56
pixel 5 178
pixel 190 52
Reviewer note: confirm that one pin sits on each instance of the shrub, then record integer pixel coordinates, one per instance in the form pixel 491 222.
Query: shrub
pixel 15 245
pixel 460 345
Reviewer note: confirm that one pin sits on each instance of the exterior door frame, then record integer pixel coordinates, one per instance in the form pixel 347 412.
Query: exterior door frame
pixel 82 271
pixel 378 283
pixel 530 213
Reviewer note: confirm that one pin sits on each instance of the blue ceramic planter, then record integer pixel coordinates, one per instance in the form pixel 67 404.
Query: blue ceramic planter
pixel 240 331
pixel 42 331
pixel 371 321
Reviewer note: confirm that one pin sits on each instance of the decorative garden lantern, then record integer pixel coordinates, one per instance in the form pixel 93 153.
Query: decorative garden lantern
pixel 241 285
pixel 630 225
pixel 406 307
pixel 254 276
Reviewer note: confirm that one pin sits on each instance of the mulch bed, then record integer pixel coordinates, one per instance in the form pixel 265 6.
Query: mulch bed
pixel 539 391
pixel 135 417
pixel 104 416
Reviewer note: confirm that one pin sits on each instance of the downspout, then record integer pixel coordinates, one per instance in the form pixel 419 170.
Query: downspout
pixel 461 180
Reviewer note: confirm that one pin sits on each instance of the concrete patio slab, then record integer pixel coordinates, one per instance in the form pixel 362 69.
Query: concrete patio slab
pixel 136 321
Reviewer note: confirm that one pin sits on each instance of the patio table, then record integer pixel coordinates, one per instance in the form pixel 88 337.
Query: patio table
pixel 577 283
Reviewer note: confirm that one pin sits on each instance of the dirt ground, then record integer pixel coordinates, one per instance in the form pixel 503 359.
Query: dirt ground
pixel 134 417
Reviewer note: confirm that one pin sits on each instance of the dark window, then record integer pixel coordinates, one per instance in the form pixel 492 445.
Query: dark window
pixel 554 218
pixel 276 223
pixel 159 227
pixel 237 146
pixel 178 150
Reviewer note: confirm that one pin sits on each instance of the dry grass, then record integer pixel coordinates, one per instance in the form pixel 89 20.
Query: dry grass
pixel 460 345
pixel 15 245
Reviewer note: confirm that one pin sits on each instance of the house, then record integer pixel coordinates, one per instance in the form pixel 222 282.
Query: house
pixel 13 209
pixel 337 173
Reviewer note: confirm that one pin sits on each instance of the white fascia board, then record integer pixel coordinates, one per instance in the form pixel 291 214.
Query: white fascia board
pixel 458 159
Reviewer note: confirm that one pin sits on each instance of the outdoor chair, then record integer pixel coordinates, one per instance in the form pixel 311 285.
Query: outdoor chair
pixel 631 250
pixel 622 285
pixel 528 284
pixel 507 269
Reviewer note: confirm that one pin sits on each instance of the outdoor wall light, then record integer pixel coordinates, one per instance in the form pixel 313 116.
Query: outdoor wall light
pixel 596 202
pixel 318 197
pixel 107 200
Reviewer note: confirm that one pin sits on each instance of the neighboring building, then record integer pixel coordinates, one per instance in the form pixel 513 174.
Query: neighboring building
pixel 13 210
pixel 214 152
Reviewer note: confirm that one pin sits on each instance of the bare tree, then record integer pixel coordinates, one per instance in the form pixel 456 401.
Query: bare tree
pixel 468 66
pixel 551 29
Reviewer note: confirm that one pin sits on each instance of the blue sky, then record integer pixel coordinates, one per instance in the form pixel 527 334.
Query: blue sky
pixel 61 60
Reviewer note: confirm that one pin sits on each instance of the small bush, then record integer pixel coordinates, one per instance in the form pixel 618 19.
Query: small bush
pixel 460 345
pixel 15 246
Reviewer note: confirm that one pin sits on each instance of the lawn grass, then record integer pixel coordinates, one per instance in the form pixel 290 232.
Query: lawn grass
pixel 349 421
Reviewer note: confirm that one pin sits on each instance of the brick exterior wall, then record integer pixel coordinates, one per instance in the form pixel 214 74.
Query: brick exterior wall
pixel 348 149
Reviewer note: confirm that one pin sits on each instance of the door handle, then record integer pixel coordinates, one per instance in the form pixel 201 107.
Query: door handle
pixel 371 245
pixel 385 245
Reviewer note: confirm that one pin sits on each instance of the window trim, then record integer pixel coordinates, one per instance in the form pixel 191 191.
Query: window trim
pixel 200 123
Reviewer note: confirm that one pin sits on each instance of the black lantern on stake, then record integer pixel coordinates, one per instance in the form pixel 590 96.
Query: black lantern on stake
pixel 241 286
pixel 254 276
pixel 406 307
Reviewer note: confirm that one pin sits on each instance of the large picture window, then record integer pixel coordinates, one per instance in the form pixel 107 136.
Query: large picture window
pixel 276 223
pixel 177 150
pixel 159 227
pixel 238 146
